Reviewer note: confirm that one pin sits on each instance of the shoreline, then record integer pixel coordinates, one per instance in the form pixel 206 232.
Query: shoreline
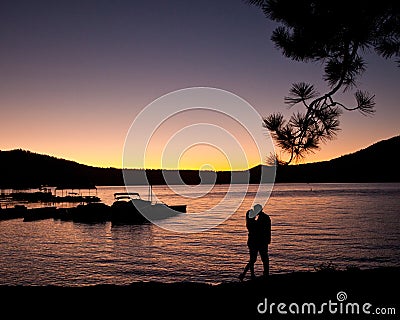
pixel 378 287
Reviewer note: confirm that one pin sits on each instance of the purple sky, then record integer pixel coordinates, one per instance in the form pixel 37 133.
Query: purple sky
pixel 74 74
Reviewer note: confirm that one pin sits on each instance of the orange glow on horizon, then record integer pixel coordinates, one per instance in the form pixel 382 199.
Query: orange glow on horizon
pixel 197 140
pixel 199 157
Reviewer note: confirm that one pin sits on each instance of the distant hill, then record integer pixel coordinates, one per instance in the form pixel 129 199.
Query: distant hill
pixel 25 169
pixel 22 169
pixel 376 163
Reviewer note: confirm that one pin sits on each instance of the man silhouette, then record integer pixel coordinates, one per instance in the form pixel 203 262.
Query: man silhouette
pixel 263 236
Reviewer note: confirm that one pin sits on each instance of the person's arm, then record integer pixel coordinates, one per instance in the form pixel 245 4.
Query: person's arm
pixel 247 219
pixel 269 230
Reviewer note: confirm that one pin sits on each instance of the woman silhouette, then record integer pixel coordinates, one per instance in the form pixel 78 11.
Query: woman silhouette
pixel 252 236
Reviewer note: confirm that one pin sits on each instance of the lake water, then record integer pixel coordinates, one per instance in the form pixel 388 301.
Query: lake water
pixel 312 224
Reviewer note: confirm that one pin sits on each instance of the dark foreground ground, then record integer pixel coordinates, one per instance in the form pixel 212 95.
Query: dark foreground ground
pixel 375 290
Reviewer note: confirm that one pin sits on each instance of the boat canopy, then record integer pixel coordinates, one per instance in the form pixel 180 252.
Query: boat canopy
pixel 126 195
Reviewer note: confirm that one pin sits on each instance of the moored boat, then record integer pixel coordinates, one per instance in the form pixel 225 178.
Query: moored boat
pixel 130 208
pixel 96 212
pixel 41 213
pixel 15 212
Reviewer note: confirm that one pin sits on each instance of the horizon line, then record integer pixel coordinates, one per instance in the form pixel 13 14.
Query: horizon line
pixel 187 169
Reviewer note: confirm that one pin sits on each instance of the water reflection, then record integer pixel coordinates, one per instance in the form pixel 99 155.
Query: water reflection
pixel 357 225
pixel 137 235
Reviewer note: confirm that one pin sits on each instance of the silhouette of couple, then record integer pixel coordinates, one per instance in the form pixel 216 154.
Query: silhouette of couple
pixel 258 226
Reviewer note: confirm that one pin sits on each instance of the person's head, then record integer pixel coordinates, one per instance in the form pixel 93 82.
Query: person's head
pixel 251 214
pixel 257 208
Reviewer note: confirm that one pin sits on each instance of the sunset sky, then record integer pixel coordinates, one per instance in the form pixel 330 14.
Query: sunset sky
pixel 75 74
